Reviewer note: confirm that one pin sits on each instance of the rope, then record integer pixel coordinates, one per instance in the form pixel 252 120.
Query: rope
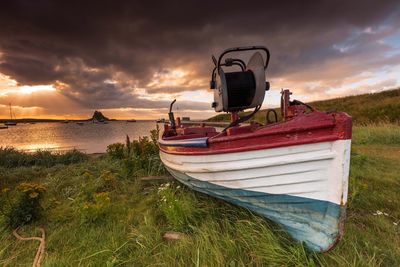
pixel 40 252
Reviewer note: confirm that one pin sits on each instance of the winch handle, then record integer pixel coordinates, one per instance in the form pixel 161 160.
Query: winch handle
pixel 244 48
pixel 171 115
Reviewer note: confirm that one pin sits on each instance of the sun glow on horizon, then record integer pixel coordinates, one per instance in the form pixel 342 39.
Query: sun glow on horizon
pixel 10 86
pixel 26 89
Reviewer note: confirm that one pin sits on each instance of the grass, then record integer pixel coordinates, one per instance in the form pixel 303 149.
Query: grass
pixel 96 213
pixel 10 158
pixel 365 109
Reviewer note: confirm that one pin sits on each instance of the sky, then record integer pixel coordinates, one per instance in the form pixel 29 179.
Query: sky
pixel 130 59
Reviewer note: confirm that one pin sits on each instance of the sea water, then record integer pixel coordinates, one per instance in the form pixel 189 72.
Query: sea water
pixel 58 136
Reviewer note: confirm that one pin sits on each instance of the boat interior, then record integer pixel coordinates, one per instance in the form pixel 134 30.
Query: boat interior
pixel 239 86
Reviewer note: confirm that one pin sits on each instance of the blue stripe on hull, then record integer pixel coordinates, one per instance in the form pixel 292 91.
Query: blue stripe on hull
pixel 314 222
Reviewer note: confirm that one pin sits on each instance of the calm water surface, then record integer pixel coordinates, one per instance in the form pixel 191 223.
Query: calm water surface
pixel 89 137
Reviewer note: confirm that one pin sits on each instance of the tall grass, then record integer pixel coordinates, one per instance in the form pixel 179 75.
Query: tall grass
pixel 379 134
pixel 12 158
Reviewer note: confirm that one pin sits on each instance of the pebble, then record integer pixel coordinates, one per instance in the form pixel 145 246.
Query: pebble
pixel 171 235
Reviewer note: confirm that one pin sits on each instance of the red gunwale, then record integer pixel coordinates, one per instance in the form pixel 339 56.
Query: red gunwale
pixel 308 128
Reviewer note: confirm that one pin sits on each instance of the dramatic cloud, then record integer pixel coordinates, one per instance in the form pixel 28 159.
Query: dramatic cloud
pixel 128 57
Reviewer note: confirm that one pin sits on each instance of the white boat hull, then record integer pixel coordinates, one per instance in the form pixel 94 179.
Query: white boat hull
pixel 302 187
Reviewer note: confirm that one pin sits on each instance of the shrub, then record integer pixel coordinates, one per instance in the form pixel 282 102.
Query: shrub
pixel 154 134
pixel 143 158
pixel 22 206
pixel 94 209
pixel 43 158
pixel 10 158
pixel 138 157
pixel 115 151
pixel 108 180
pixel 72 157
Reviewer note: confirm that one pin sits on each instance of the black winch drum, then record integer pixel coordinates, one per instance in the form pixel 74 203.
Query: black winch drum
pixel 239 90
pixel 241 87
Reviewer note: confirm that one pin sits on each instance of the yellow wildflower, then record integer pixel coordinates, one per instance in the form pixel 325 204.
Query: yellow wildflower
pixel 5 190
pixel 33 194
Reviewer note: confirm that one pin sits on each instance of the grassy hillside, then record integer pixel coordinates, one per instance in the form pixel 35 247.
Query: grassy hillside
pixel 97 212
pixel 368 108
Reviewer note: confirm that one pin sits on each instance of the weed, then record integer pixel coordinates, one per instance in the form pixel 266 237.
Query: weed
pixel 22 207
pixel 95 208
pixel 138 157
pixel 178 209
pixel 115 151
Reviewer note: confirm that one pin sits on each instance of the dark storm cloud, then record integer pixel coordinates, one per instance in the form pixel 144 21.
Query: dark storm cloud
pixel 102 51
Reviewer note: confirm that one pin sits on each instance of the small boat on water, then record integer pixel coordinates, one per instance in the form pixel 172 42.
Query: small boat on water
pixel 3 127
pixel 100 121
pixel 133 120
pixel 12 121
pixel 293 171
pixel 80 123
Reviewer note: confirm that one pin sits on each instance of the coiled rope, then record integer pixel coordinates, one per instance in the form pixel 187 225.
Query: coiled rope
pixel 40 252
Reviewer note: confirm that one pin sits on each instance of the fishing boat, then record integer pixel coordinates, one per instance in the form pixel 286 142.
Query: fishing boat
pixel 12 121
pixel 293 171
